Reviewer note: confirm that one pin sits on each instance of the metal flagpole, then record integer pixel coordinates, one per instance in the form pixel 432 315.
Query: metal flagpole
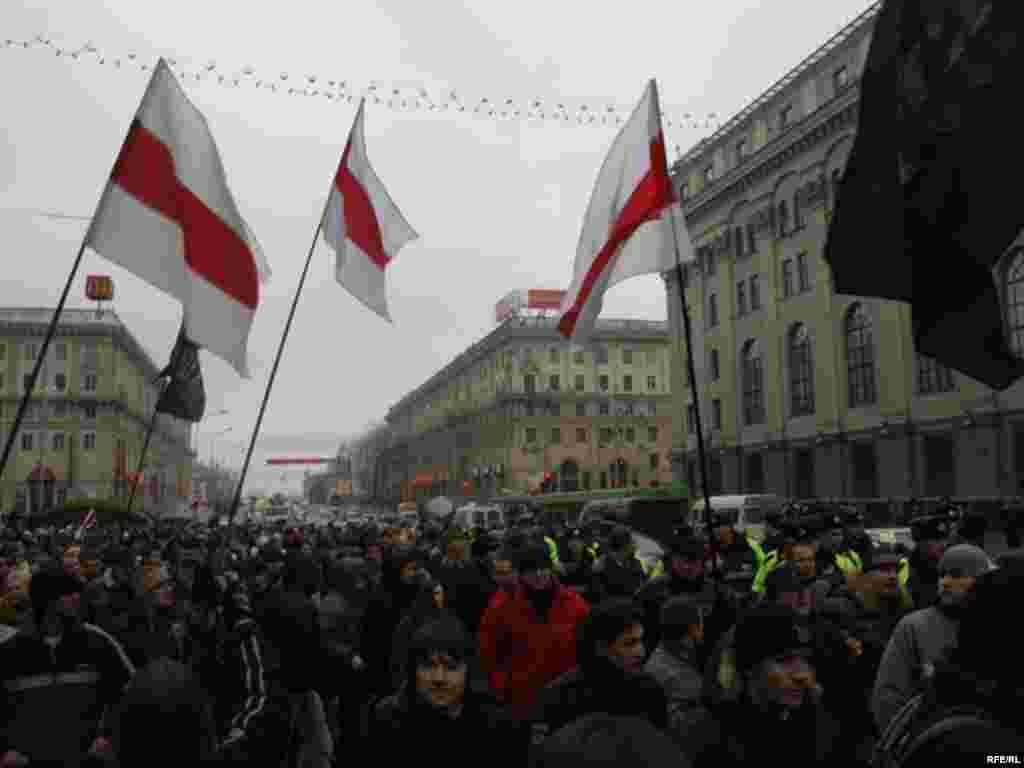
pixel 145 446
pixel 687 329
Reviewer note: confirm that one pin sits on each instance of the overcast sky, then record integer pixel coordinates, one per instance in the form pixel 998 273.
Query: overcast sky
pixel 498 204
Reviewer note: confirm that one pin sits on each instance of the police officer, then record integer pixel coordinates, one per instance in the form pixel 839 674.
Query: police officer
pixel 619 572
pixel 740 557
pixel 920 571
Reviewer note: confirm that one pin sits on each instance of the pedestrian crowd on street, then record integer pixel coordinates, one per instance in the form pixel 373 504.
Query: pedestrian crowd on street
pixel 536 645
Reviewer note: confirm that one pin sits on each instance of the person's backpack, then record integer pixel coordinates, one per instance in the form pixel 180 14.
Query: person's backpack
pixel 917 727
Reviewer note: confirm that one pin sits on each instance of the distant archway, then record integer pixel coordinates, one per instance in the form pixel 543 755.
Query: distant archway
pixel 570 476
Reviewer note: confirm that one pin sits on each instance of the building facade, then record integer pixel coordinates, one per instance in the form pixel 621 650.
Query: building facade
pixel 87 417
pixel 804 392
pixel 523 406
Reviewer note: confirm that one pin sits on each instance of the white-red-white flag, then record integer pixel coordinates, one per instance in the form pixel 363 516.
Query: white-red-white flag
pixel 168 217
pixel 363 225
pixel 627 230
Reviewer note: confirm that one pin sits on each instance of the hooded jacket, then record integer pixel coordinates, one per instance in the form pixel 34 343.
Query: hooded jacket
pixel 520 653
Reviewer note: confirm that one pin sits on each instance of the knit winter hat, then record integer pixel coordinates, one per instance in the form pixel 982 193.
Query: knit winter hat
pixel 765 632
pixel 965 560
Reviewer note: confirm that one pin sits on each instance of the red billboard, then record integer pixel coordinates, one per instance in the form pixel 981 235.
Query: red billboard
pixel 542 298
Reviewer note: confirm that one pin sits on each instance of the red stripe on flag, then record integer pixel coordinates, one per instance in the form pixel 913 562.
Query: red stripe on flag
pixel 652 195
pixel 361 225
pixel 145 170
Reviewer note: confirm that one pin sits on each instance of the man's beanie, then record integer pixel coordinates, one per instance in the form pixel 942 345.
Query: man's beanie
pixel 765 632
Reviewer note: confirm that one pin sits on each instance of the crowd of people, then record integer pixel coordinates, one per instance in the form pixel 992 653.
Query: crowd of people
pixel 544 646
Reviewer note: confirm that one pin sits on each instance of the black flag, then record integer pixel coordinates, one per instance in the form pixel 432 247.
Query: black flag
pixel 184 395
pixel 928 208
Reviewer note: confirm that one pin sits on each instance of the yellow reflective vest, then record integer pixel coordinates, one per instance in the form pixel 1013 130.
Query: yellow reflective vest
pixel 553 551
pixel 903 578
pixel 766 563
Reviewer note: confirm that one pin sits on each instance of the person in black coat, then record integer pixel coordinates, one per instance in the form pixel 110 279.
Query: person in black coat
pixel 441 706
pixel 609 676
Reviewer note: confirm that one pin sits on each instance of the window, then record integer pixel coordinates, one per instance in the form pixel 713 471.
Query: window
pixel 716 413
pixel 60 409
pixel 531 435
pixel 604 480
pixel 61 352
pixel 586 481
pixel 26 441
pixel 578 357
pixel 654 463
pixel 1 381
pixel 88 441
pixel 556 436
pixel 579 382
pixel 836 178
pixel 737 238
pixel 581 409
pixel 787 278
pixel 60 382
pixel 606 436
pixel 602 383
pixel 530 384
pixel 741 297
pixel 709 174
pixel 553 383
pixel 58 441
pixel 636 478
pixel 691 419
pixel 785 117
pixel 602 355
pixel 630 434
pixel 712 311
pixel 603 409
pixel 581 435
pixel 753 384
pixel 3 351
pixel 652 383
pixel 90 382
pixel 860 357
pixel 751 238
pixel 801 371
pixel 798 214
pixel 741 150
pixel 840 79
pixel 554 354
pixel 716 371
pixel 652 408
pixel 783 223
pixel 933 377
pixel 710 259
pixel 802 274
pixel 755 293
pixel 31 351
pixel 1015 302
pixel 90 411
pixel 652 434
pixel 530 409
pixel 627 356
pixel 684 191
pixel 627 383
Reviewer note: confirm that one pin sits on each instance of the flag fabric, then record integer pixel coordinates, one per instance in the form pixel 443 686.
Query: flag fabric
pixel 920 216
pixel 363 225
pixel 168 216
pixel 184 395
pixel 87 523
pixel 628 228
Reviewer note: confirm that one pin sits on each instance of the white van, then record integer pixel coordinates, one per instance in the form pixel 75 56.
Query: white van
pixel 746 513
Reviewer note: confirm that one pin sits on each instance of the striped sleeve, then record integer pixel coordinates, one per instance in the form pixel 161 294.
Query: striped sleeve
pixel 255 683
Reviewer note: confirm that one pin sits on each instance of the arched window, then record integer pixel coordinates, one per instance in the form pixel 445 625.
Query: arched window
pixel 801 371
pixel 860 357
pixel 753 384
pixel 836 177
pixel 783 223
pixel 737 236
pixel 1015 302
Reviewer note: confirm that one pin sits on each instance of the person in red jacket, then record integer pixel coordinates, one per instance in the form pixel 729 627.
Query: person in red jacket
pixel 528 635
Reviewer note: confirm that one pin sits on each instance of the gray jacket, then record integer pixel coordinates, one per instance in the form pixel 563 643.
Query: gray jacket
pixel 920 639
pixel 682 682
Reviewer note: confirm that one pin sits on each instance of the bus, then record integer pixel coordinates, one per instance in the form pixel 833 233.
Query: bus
pixel 565 507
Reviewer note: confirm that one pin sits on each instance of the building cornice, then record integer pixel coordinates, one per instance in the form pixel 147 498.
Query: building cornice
pixel 836 116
